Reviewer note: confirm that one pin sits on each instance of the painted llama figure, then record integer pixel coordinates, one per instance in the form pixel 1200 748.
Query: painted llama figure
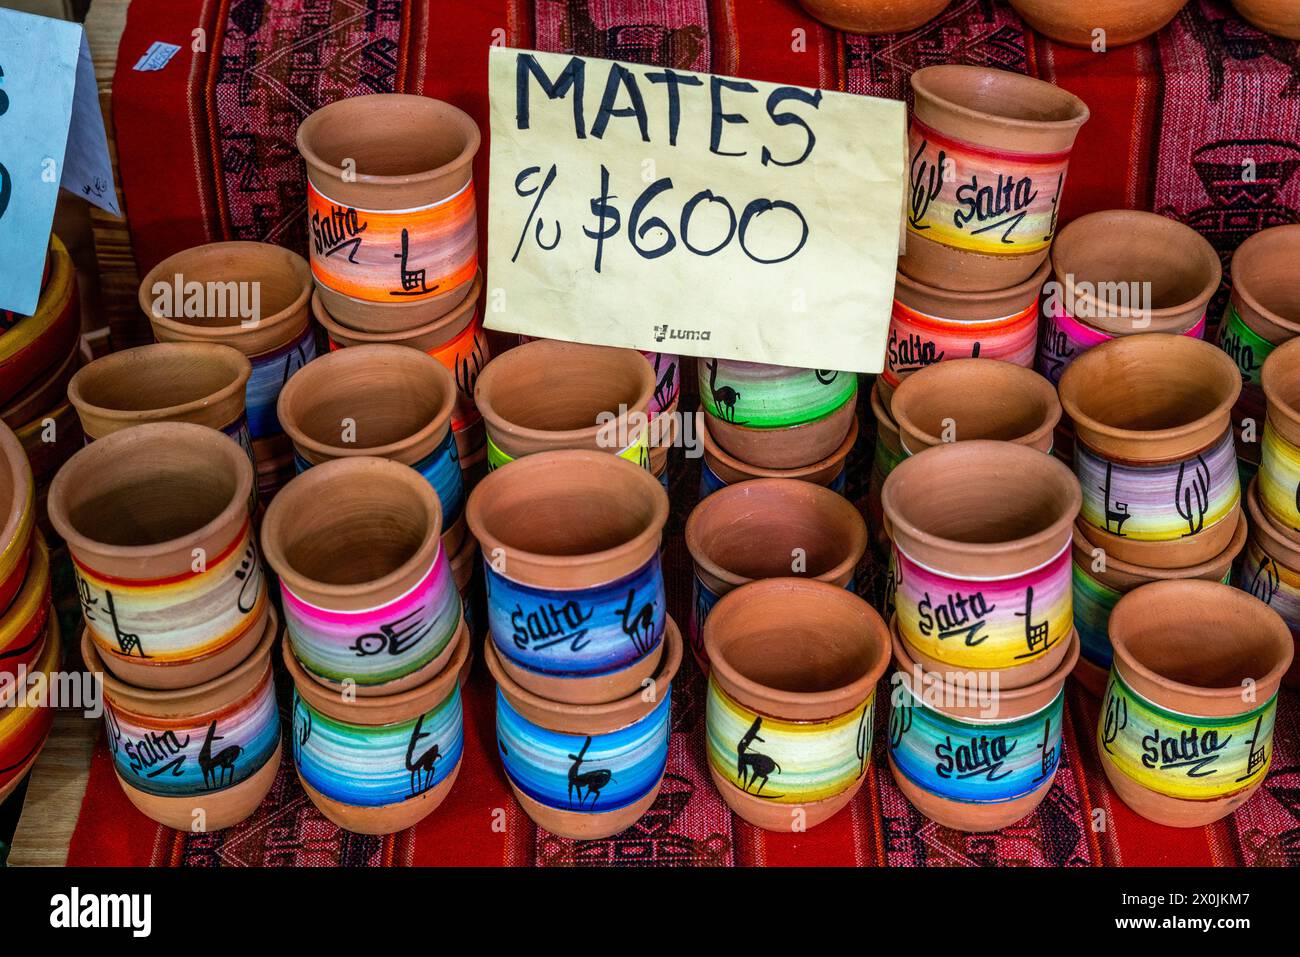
pixel 592 782
pixel 751 766
pixel 219 769
pixel 724 396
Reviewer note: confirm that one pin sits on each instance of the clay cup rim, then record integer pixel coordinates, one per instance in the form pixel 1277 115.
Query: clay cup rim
pixel 779 595
pixel 315 381
pixel 1260 253
pixel 88 467
pixel 730 462
pixel 951 87
pixel 839 517
pixel 85 387
pixel 308 493
pixel 1174 605
pixel 1138 356
pixel 454 320
pixel 958 380
pixel 1274 542
pixel 18 509
pixel 392 105
pixel 1280 379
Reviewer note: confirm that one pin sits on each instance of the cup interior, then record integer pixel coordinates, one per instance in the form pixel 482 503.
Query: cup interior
pixel 352 529
pixel 219 287
pixel 386 136
pixel 1003 94
pixel 159 379
pixel 795 641
pixel 366 408
pixel 562 390
pixel 1146 386
pixel 151 498
pixel 976 407
pixel 1265 266
pixel 1134 264
pixel 756 536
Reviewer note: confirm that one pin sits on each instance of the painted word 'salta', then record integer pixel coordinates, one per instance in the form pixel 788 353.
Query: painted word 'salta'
pixel 993 207
pixel 1187 748
pixel 551 624
pixel 980 755
pixel 912 353
pixel 340 230
pixel 956 614
pixel 1241 352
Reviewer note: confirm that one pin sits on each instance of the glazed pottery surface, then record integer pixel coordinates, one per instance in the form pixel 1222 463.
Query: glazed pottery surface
pixel 874 16
pixel 1100 580
pixel 205 747
pixel 763 396
pixel 975 399
pixel 383 401
pixel 546 395
pixel 376 765
pixel 792 696
pixel 33 344
pixel 1010 137
pixel 769 528
pixel 391 206
pixel 790 447
pixel 17 515
pixel 1186 726
pixel 366 582
pixel 197 382
pixel 1122 21
pixel 929 325
pixel 720 469
pixel 27 712
pixel 157 521
pixel 586 771
pixel 973 756
pixel 1123 271
pixel 1153 450
pixel 1278 17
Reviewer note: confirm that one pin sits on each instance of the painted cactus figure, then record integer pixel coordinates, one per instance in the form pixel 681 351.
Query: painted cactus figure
pixel 378 764
pixel 1009 137
pixel 368 591
pixel 575 594
pixel 586 771
pixel 157 520
pixel 211 750
pixel 1153 448
pixel 785 733
pixel 1186 726
pixel 392 219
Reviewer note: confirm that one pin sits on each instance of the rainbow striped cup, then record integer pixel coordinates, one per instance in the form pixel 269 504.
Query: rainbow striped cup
pixel 369 597
pixel 198 758
pixel 26 715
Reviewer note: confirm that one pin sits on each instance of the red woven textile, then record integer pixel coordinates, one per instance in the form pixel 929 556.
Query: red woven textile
pixel 206 150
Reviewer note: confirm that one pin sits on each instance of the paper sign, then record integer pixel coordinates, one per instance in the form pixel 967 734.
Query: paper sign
pixel 51 134
pixel 683 212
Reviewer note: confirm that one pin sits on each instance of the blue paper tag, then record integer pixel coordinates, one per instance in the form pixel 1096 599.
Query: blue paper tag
pixel 51 134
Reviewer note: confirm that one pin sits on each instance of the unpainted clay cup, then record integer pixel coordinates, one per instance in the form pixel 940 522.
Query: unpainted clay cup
pixel 769 528
pixel 157 518
pixel 1122 21
pixel 365 579
pixel 975 399
pixel 280 277
pixel 199 382
pixel 1152 419
pixel 546 395
pixel 1278 17
pixel 383 401
pixel 390 178
pixel 564 535
pixel 27 714
pixel 1105 262
pixel 730 470
pixel 792 698
pixel 563 760
pixel 1186 727
pixel 379 764
pixel 17 515
pixel 874 16
pixel 216 743
pixel 1097 589
pixel 938 726
pixel 1263 292
pixel 1014 135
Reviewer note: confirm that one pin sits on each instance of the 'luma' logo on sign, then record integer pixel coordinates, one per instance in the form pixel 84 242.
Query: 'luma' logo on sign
pixel 77 910
pixel 663 332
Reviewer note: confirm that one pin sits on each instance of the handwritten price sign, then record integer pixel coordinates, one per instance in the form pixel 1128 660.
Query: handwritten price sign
pixel 664 210
pixel 51 135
